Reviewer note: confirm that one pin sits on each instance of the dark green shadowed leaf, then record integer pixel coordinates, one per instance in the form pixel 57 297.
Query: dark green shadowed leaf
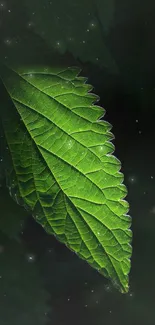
pixel 63 167
pixel 58 24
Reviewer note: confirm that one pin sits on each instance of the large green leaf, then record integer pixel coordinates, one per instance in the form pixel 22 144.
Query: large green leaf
pixel 63 167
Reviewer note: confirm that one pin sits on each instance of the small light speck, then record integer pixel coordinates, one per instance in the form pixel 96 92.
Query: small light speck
pixel 8 41
pixel 151 177
pixel 30 258
pixel 101 148
pixel 30 24
pixel 107 288
pixel 137 121
pixel 86 305
pixel 92 290
pixel 2 5
pixel 69 144
pixel 132 179
pixel 92 25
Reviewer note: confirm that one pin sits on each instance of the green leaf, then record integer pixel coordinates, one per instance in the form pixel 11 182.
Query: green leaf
pixel 63 167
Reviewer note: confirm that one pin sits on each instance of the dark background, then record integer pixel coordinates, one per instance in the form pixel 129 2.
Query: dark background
pixel 41 281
